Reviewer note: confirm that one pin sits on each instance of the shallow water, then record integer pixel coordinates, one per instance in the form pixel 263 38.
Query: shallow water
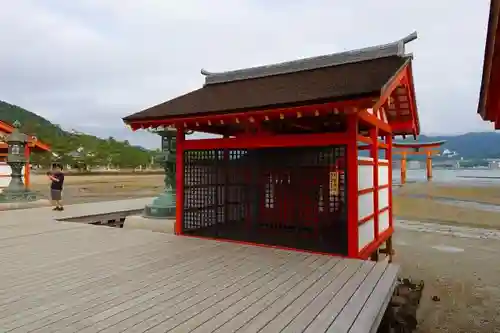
pixel 477 177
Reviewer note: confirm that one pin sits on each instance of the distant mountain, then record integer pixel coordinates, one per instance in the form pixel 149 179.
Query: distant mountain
pixel 478 145
pixel 70 145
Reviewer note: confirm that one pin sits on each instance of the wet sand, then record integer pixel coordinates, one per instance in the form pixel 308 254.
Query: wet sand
pixel 433 210
pixel 471 192
pixel 462 272
pixel 477 206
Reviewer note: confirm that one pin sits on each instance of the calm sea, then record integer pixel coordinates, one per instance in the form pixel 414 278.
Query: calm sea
pixel 469 176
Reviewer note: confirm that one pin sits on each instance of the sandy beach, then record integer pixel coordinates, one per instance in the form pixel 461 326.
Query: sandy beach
pixel 476 206
pixel 82 189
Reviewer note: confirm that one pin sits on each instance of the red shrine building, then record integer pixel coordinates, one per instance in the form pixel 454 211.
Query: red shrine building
pixel 489 98
pixel 287 171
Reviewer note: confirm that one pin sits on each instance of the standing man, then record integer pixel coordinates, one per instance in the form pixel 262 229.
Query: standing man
pixel 56 187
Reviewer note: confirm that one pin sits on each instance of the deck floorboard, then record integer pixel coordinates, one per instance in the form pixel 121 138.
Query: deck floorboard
pixel 73 277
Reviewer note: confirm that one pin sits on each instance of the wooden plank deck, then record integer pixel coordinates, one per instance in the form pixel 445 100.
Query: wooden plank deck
pixel 73 277
pixel 74 211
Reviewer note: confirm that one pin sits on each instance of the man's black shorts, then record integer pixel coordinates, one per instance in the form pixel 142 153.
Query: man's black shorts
pixel 55 195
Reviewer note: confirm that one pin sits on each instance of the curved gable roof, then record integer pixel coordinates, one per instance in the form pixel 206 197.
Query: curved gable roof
pixel 340 76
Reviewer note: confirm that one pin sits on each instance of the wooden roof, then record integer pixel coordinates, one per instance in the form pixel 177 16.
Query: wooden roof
pixel 341 76
pixel 489 98
pixel 33 141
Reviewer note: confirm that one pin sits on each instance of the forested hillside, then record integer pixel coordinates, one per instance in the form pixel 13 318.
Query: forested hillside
pixel 72 147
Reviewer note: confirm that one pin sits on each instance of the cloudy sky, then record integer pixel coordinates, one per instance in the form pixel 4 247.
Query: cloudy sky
pixel 84 64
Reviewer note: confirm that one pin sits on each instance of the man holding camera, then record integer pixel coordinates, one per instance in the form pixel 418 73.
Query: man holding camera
pixel 56 186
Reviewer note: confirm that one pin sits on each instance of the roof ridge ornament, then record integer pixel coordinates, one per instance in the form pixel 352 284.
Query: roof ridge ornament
pixel 206 73
pixel 396 48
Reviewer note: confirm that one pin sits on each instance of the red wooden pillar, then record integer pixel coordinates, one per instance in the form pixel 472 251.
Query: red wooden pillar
pixel 179 180
pixel 403 167
pixel 352 186
pixel 428 165
pixel 388 156
pixel 227 171
pixel 374 155
pixel 27 167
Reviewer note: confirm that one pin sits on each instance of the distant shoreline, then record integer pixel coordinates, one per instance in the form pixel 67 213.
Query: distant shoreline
pixel 480 177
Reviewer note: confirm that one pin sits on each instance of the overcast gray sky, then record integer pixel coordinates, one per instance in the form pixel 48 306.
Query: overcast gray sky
pixel 86 63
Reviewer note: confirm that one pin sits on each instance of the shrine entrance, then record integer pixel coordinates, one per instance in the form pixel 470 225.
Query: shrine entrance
pixel 275 196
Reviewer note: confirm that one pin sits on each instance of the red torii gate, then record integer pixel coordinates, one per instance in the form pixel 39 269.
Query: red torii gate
pixel 417 148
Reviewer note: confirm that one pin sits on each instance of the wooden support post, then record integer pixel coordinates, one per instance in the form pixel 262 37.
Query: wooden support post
pixel 352 186
pixel 179 179
pixel 374 155
pixel 388 156
pixel 27 167
pixel 390 250
pixel 428 165
pixel 403 168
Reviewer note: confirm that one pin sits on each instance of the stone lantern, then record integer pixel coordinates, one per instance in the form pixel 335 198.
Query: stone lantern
pixel 16 158
pixel 17 192
pixel 164 205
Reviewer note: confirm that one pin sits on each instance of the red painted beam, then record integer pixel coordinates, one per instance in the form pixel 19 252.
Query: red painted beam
pixel 364 139
pixel 4 127
pixel 370 119
pixel 41 146
pixel 298 140
pixel 418 145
